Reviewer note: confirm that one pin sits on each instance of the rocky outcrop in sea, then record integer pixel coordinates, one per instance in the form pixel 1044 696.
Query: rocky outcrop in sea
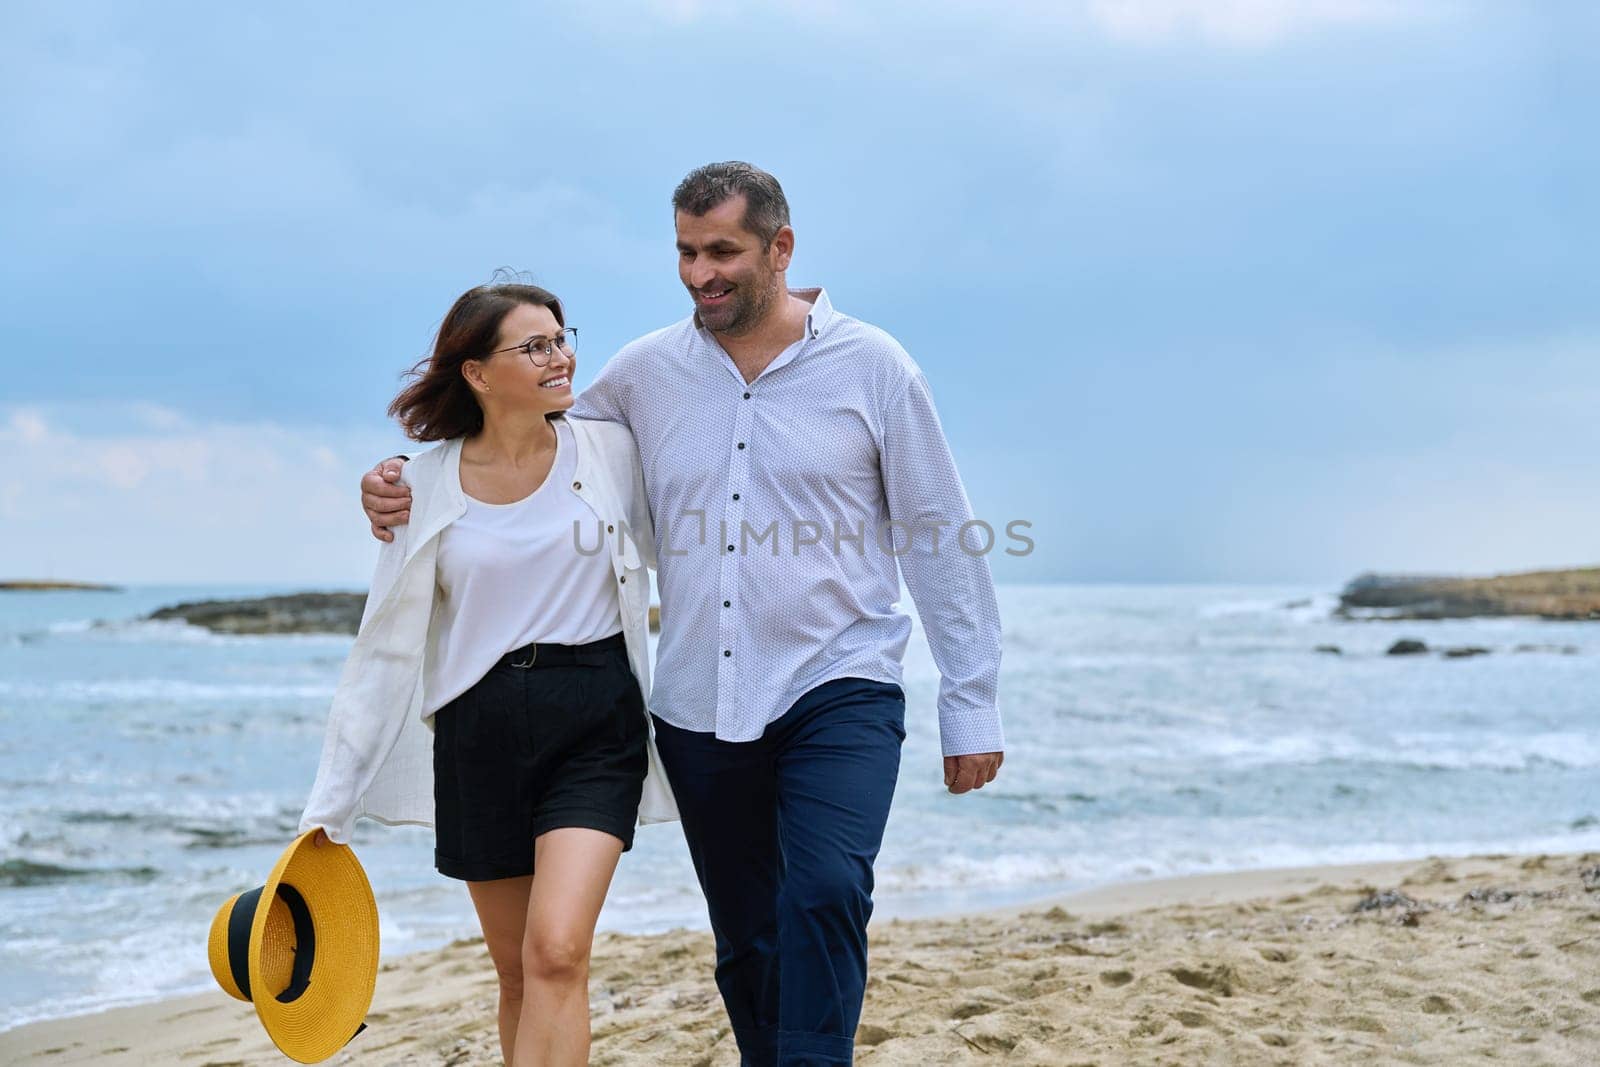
pixel 1564 594
pixel 296 613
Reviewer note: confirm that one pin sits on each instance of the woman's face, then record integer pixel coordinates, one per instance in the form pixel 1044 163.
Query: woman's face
pixel 512 378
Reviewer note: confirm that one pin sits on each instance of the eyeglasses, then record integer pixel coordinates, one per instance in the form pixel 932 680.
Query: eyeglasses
pixel 540 349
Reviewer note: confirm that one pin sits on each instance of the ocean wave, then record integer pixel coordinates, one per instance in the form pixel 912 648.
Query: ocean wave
pixel 207 837
pixel 967 872
pixel 66 1007
pixel 1430 751
pixel 245 815
pixel 175 631
pixel 150 962
pixel 1276 855
pixel 161 690
pixel 1130 861
pixel 22 873
pixel 116 818
pixel 1572 751
pixel 1307 608
pixel 190 820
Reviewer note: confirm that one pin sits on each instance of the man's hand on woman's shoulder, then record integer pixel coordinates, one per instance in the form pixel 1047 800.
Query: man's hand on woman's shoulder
pixel 386 502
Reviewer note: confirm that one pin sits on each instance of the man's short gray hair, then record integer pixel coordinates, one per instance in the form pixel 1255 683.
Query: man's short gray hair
pixel 766 209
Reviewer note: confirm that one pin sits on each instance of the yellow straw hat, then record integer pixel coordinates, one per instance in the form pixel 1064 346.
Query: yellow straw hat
pixel 303 948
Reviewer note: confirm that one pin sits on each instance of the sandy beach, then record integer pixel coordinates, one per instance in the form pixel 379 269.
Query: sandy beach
pixel 1492 959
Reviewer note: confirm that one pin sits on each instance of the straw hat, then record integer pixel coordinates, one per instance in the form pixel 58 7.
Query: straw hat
pixel 303 948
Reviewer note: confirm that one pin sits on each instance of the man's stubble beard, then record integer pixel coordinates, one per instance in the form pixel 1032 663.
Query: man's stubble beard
pixel 748 313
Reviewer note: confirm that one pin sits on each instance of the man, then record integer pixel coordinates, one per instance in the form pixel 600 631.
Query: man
pixel 795 467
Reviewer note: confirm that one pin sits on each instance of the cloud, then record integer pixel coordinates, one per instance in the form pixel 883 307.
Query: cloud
pixel 98 493
pixel 1242 23
pixel 157 416
pixel 28 426
pixel 685 12
pixel 1228 23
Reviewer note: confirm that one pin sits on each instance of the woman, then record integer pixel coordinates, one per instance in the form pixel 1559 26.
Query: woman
pixel 509 618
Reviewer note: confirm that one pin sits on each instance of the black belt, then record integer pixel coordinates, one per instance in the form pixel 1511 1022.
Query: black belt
pixel 543 654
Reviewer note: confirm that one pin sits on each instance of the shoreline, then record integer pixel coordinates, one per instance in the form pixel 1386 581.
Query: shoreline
pixel 1097 901
pixel 1158 967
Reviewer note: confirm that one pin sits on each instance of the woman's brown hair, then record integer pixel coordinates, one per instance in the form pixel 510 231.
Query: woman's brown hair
pixel 439 404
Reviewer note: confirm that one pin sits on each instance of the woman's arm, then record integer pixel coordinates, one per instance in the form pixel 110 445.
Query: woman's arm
pixel 391 558
pixel 360 732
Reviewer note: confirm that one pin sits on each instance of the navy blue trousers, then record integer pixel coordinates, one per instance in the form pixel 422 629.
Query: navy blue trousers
pixel 783 832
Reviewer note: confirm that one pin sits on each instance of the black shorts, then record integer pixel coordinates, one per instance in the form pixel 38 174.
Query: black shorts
pixel 528 749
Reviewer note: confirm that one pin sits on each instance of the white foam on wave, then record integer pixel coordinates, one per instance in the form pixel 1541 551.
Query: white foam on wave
pixel 1311 607
pixel 1498 751
pixel 966 872
pixel 1087 869
pixel 160 960
pixel 175 631
pixel 69 1006
pixel 1275 855
pixel 1420 750
pixel 150 963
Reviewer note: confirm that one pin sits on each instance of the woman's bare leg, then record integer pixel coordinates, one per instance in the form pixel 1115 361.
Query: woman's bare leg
pixel 572 871
pixel 503 913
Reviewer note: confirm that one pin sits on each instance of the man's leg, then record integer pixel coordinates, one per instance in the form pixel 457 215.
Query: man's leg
pixel 727 799
pixel 838 757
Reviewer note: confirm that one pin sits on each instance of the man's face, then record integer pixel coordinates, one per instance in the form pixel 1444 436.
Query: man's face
pixel 732 278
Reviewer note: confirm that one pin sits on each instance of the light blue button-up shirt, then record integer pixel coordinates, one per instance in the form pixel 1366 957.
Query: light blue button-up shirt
pixel 786 510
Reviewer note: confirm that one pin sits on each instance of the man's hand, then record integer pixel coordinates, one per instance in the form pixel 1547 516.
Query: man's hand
pixel 386 502
pixel 965 773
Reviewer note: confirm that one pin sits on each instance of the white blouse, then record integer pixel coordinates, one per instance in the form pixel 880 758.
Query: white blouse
pixel 377 752
pixel 512 574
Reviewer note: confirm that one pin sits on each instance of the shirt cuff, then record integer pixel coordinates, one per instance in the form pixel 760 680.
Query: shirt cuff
pixel 970 731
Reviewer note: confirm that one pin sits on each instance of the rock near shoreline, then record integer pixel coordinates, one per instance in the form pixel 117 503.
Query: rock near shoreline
pixel 1565 595
pixel 296 613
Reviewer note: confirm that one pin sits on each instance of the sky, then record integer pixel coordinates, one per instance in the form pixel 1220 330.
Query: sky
pixel 1244 291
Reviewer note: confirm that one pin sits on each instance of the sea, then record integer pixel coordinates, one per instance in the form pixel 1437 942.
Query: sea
pixel 148 771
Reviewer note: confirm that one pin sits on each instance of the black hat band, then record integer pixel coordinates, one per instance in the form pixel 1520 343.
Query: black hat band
pixel 242 918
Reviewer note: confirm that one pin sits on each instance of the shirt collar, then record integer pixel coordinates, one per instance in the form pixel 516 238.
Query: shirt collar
pixel 821 309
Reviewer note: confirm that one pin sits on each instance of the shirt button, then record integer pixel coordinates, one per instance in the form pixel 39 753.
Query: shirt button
pixel 747 396
pixel 727 652
pixel 577 485
pixel 622 578
pixel 730 548
pixel 741 444
pixel 736 496
pixel 610 528
pixel 727 603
